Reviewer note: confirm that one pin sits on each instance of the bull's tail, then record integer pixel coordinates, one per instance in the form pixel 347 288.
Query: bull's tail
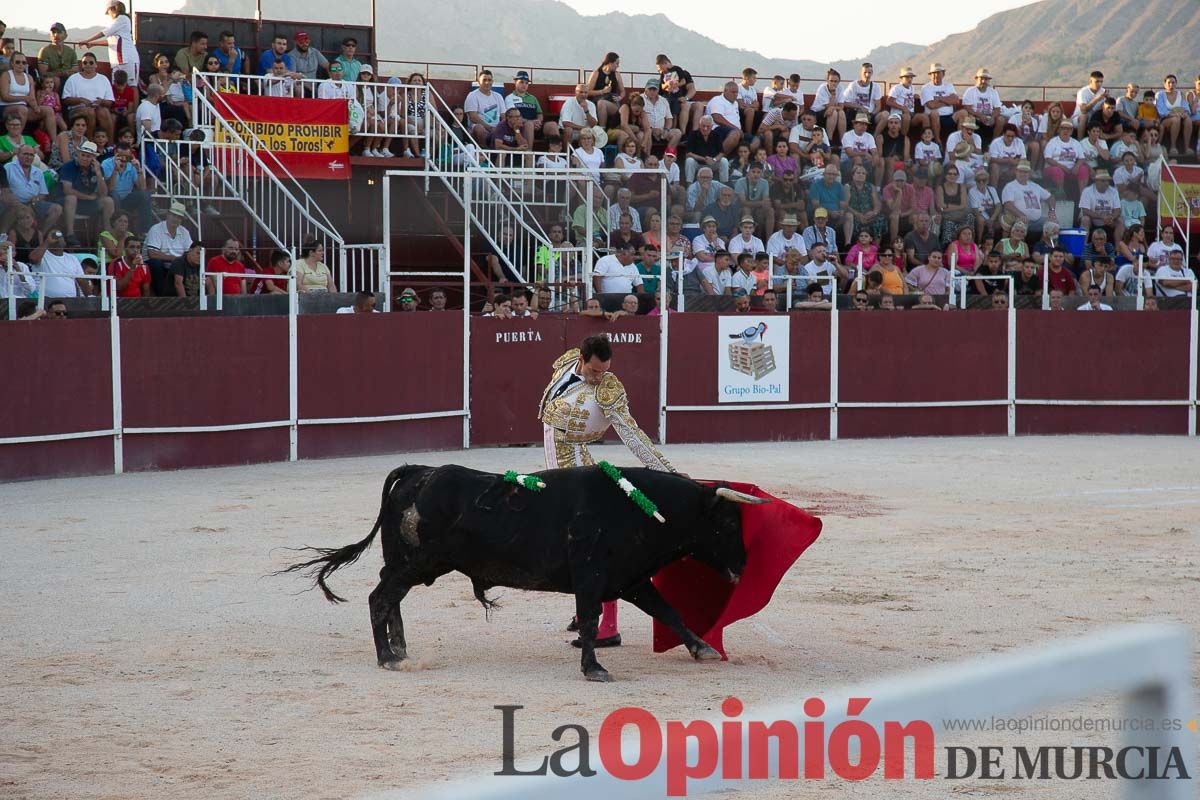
pixel 331 559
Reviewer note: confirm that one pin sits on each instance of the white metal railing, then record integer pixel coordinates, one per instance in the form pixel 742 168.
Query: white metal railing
pixel 388 111
pixel 1148 665
pixel 509 196
pixel 240 167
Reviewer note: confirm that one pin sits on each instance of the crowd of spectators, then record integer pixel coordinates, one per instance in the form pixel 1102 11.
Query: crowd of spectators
pixel 909 183
pixel 765 185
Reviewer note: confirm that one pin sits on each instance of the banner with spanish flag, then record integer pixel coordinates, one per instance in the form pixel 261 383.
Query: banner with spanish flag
pixel 311 138
pixel 1179 195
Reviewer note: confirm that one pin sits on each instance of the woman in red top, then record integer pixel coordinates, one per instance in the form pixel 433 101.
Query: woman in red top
pixel 963 253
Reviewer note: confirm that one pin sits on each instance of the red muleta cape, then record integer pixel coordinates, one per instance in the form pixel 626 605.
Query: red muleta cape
pixel 775 534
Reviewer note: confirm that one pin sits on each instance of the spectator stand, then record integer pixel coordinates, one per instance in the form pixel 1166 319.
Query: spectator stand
pixel 227 166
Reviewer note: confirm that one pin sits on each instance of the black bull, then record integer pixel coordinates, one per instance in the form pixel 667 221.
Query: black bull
pixel 580 535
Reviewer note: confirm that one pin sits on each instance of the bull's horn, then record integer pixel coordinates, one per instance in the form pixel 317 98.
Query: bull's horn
pixel 740 497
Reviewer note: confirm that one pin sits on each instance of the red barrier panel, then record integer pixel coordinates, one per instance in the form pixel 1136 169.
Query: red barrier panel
pixel 374 365
pixel 60 382
pixel 910 357
pixel 510 366
pixel 1116 356
pixel 512 359
pixel 692 381
pixel 191 371
pixel 635 344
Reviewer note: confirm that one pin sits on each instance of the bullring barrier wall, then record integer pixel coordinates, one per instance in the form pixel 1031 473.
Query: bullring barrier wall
pixel 208 391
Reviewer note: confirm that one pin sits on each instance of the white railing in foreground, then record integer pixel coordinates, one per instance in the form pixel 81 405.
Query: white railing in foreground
pixel 1149 665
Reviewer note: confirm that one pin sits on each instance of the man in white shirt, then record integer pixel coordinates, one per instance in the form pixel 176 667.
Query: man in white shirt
pixel 1156 253
pixel 902 98
pixel 166 241
pixel 658 113
pixel 91 94
pixel 616 274
pixel 1064 159
pixel 1022 200
pixel 1127 277
pixel 746 241
pixel 801 135
pixel 827 105
pixel 862 96
pixel 484 108
pixel 1004 153
pixel 577 113
pixel 364 303
pixel 1088 99
pixel 820 265
pixel 149 115
pixel 982 103
pixel 786 238
pixel 1174 279
pixel 965 133
pixel 1100 205
pixel 1093 301
pixel 726 115
pixel 334 88
pixel 938 99
pixel 859 146
pixel 747 99
pixel 64 275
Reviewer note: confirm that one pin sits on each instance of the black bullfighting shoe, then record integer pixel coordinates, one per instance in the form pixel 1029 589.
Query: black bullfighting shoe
pixel 607 641
pixel 573 626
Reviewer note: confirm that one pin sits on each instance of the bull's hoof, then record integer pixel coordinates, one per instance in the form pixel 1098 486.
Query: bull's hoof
pixel 706 652
pixel 598 675
pixel 607 641
pixel 394 664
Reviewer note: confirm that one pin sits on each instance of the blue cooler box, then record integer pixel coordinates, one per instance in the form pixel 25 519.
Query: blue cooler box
pixel 1074 240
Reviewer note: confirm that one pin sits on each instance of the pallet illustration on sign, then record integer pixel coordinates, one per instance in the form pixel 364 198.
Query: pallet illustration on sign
pixel 751 357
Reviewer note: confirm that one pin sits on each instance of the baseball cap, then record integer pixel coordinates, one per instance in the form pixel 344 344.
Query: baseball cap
pixel 521 76
pixel 820 212
pixel 366 68
pixel 408 294
pixel 58 26
pixel 1102 175
pixel 301 36
pixel 652 84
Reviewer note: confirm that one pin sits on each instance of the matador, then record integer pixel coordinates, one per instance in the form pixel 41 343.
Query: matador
pixel 581 402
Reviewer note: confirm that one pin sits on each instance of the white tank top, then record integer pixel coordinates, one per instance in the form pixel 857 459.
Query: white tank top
pixel 17 89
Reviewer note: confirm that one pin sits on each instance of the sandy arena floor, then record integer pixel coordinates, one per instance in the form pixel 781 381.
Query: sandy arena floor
pixel 143 654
